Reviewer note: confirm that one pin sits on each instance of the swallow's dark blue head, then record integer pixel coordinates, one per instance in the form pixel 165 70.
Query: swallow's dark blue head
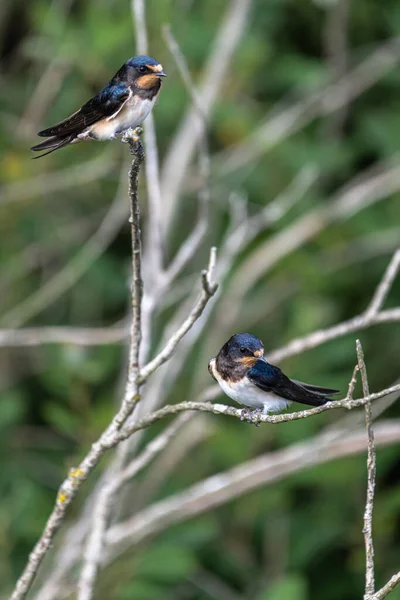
pixel 144 66
pixel 241 349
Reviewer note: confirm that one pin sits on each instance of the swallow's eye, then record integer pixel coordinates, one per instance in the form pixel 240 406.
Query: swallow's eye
pixel 243 350
pixel 142 69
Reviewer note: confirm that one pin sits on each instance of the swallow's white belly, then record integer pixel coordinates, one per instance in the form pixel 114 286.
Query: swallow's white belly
pixel 132 114
pixel 246 393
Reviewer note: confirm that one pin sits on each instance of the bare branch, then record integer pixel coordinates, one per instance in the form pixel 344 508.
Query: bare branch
pixel 68 554
pixel 209 287
pixel 383 289
pixel 95 544
pixel 76 477
pixel 182 147
pixel 370 317
pixel 115 334
pixel 137 283
pixel 317 338
pixel 192 243
pixel 389 587
pixel 352 383
pixel 189 247
pixel 112 436
pixel 222 487
pixel 139 25
pixel 181 63
pixel 80 336
pixel 70 487
pixel 371 466
pixel 92 553
pixel 223 409
pixel 154 242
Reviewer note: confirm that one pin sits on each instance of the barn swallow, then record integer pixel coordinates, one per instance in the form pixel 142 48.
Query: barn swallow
pixel 245 376
pixel 123 104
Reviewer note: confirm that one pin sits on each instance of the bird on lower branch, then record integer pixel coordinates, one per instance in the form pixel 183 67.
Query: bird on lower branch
pixel 245 376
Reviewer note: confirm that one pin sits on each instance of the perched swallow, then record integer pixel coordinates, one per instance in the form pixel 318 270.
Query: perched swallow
pixel 245 376
pixel 124 103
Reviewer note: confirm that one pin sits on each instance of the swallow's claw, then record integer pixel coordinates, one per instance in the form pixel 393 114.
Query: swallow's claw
pixel 251 416
pixel 255 416
pixel 132 137
pixel 244 416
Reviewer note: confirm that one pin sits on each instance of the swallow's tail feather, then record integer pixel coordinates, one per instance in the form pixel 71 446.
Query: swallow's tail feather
pixel 312 394
pixel 317 389
pixel 52 144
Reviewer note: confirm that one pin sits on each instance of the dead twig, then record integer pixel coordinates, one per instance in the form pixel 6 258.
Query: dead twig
pixel 371 467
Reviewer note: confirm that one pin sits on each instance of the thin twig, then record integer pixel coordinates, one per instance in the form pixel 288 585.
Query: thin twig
pixel 153 448
pixel 223 409
pixel 94 545
pixel 181 63
pixel 352 383
pixel 387 588
pixel 115 334
pixel 385 286
pixel 371 467
pixel 185 141
pixel 192 243
pixel 80 336
pixel 321 336
pixel 370 317
pixel 137 283
pixel 209 287
pixel 154 241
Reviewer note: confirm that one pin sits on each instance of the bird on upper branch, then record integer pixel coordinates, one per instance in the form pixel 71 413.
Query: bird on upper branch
pixel 245 376
pixel 123 104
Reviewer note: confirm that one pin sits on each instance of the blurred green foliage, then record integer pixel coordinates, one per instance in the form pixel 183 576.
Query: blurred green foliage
pixel 301 537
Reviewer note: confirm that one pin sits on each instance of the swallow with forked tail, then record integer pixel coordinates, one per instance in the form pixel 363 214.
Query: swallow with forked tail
pixel 123 104
pixel 245 376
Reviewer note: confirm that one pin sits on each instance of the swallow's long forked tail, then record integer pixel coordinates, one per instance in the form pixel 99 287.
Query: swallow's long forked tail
pixel 313 395
pixel 52 144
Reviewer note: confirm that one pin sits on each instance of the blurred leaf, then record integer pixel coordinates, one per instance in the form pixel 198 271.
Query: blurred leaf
pixel 292 586
pixel 165 563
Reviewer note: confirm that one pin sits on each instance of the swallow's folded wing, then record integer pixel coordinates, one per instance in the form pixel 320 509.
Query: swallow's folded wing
pixel 271 379
pixel 265 376
pixel 105 104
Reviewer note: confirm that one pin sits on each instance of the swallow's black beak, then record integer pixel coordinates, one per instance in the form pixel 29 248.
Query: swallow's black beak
pixel 161 74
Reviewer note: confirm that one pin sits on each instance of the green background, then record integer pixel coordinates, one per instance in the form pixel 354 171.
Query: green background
pixel 299 538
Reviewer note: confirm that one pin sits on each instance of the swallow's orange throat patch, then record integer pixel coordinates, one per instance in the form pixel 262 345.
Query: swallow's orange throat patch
pixel 148 81
pixel 248 361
